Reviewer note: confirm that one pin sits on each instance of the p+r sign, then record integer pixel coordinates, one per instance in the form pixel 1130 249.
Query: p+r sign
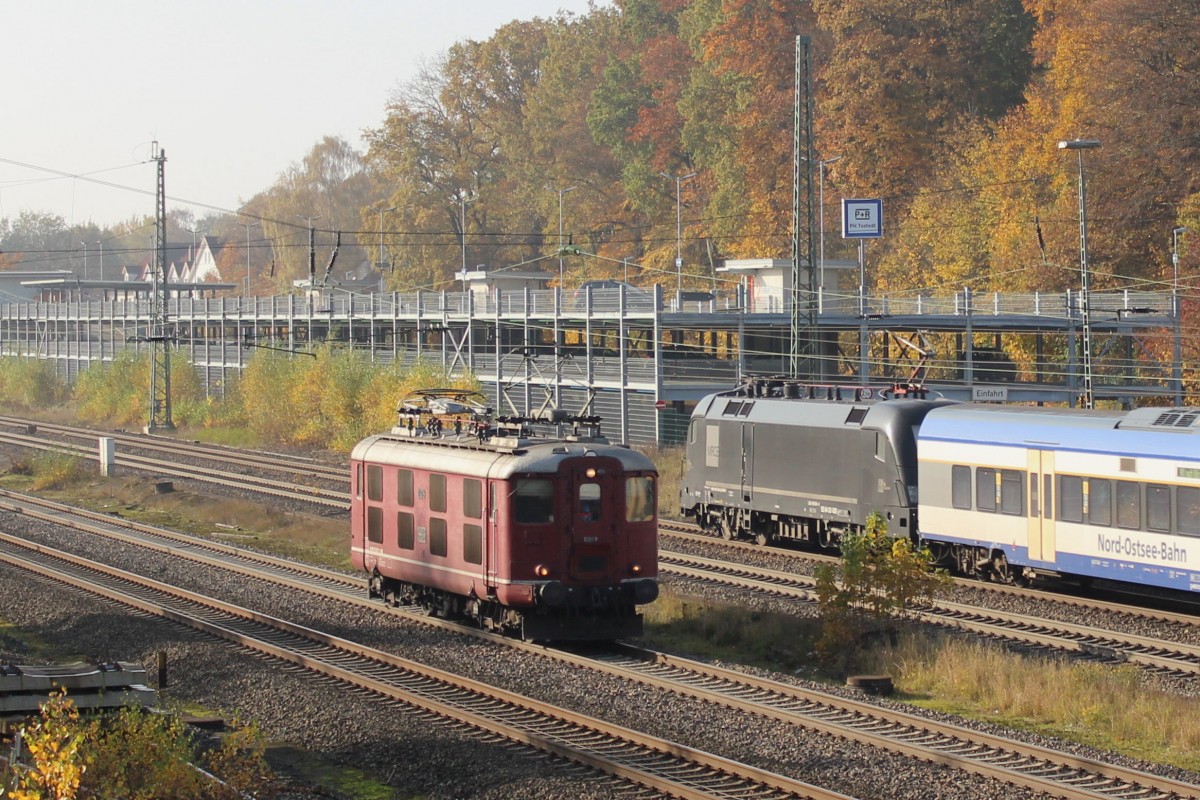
pixel 862 219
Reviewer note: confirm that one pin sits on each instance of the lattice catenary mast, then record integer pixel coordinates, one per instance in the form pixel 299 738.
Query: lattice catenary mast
pixel 160 351
pixel 801 362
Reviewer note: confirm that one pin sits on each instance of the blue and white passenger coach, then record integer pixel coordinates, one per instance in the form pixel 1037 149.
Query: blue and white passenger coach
pixel 1011 493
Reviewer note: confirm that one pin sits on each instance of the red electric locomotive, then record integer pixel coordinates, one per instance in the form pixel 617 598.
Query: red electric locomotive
pixel 552 538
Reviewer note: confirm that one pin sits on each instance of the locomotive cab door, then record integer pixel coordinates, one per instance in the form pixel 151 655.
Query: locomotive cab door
pixel 1041 498
pixel 594 492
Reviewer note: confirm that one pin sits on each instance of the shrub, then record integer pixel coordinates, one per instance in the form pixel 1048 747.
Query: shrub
pixel 30 384
pixel 52 470
pixel 875 584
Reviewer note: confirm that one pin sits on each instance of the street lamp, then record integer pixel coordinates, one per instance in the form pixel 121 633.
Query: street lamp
pixel 462 225
pixel 84 260
pixel 248 226
pixel 380 263
pixel 1079 145
pixel 678 232
pixel 1177 369
pixel 101 244
pixel 192 256
pixel 560 192
pixel 821 210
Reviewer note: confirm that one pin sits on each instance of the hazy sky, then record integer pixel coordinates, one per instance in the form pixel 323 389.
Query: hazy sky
pixel 233 90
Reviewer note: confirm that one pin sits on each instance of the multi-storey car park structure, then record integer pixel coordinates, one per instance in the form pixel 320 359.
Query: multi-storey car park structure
pixel 640 359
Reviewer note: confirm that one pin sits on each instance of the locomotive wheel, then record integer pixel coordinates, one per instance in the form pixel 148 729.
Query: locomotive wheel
pixel 728 532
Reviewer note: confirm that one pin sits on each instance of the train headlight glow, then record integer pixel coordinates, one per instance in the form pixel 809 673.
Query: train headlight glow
pixel 591 472
pixel 636 569
pixel 541 570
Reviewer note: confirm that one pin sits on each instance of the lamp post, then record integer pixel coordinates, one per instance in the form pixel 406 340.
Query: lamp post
pixel 101 245
pixel 84 260
pixel 192 256
pixel 821 211
pixel 1079 145
pixel 248 226
pixel 379 264
pixel 1177 369
pixel 560 193
pixel 462 225
pixel 678 231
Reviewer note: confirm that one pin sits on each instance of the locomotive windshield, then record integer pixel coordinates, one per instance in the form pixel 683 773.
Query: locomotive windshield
pixel 639 499
pixel 533 501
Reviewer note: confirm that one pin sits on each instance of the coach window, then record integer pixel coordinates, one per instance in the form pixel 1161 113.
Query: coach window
pixel 1099 502
pixel 533 501
pixel 437 537
pixel 404 488
pixel 473 544
pixel 375 482
pixel 375 524
pixel 1070 498
pixel 639 499
pixel 1012 498
pixel 960 487
pixel 1033 495
pixel 358 483
pixel 985 489
pixel 473 498
pixel 437 492
pixel 1129 505
pixel 1158 507
pixel 405 530
pixel 1187 510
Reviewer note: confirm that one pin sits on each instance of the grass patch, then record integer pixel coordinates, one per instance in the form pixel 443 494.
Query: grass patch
pixel 1110 708
pixel 728 632
pixel 312 769
pixel 50 470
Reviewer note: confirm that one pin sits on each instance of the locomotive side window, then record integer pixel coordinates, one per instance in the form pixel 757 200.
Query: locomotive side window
pixel 375 482
pixel 1129 505
pixel 437 537
pixel 1158 507
pixel 1099 502
pixel 985 488
pixel 1187 510
pixel 960 487
pixel 404 488
pixel 1070 498
pixel 639 499
pixel 473 544
pixel 473 499
pixel 533 501
pixel 375 524
pixel 881 447
pixel 589 502
pixel 437 493
pixel 405 530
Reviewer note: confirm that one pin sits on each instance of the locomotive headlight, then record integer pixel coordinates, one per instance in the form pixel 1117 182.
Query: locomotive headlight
pixel 591 472
pixel 541 570
pixel 636 569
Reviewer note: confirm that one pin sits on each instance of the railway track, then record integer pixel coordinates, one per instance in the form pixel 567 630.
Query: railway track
pixel 667 767
pixel 1026 629
pixel 997 758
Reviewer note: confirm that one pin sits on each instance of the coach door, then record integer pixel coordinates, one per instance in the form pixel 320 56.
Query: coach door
pixel 1040 491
